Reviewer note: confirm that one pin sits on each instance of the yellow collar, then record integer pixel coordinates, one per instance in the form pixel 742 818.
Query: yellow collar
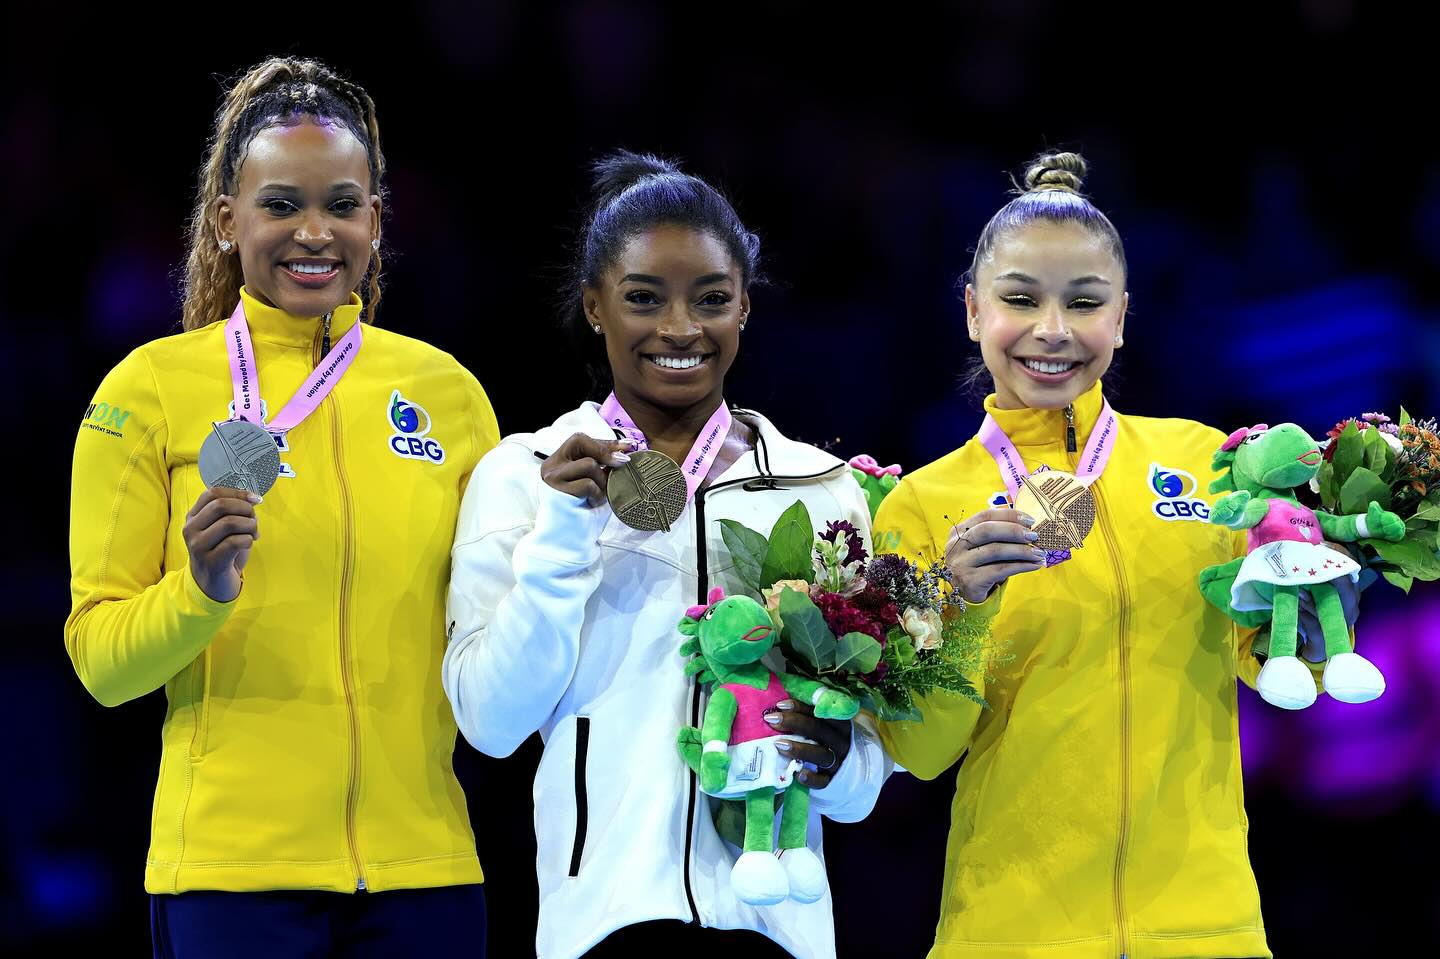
pixel 273 325
pixel 1031 427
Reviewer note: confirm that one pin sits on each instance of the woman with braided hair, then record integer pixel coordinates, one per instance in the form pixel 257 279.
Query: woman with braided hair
pixel 306 804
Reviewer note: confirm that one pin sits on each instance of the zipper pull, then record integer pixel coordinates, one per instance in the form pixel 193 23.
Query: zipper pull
pixel 1069 429
pixel 325 342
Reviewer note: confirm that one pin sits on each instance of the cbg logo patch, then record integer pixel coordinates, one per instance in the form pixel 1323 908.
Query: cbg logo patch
pixel 412 429
pixel 1175 495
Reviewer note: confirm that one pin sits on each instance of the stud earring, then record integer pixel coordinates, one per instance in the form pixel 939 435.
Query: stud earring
pixel 375 244
pixel 596 327
pixel 1118 341
pixel 225 246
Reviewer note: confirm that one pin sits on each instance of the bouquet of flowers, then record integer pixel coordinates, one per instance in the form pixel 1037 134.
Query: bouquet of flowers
pixel 882 629
pixel 1371 457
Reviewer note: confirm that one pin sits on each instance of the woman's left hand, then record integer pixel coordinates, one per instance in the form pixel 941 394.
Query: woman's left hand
pixel 823 757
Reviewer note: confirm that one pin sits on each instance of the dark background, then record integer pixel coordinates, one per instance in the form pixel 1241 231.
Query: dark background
pixel 1267 166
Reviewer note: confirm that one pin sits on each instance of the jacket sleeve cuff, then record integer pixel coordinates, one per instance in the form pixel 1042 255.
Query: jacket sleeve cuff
pixel 567 528
pixel 197 603
pixel 851 795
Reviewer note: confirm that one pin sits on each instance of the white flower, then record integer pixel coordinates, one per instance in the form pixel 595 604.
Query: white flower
pixel 923 627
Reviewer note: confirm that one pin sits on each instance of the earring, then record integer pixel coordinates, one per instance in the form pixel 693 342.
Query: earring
pixel 1118 341
pixel 375 244
pixel 225 246
pixel 596 327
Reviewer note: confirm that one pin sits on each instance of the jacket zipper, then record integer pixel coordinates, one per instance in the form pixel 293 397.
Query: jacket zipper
pixel 347 531
pixel 1122 840
pixel 582 808
pixel 702 570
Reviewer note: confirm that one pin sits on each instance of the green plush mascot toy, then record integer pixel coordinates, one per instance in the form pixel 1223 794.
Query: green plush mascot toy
pixel 735 753
pixel 1287 553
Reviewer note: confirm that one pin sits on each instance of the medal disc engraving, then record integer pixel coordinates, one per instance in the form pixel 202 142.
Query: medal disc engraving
pixel 240 455
pixel 1063 507
pixel 648 493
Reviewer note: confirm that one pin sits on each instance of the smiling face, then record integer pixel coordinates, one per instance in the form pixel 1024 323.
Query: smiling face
pixel 1048 310
pixel 303 217
pixel 670 307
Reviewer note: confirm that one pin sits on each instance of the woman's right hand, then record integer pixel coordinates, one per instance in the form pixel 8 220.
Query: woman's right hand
pixel 220 530
pixel 988 548
pixel 578 466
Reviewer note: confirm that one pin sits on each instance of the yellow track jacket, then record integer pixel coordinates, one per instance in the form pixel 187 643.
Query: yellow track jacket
pixel 1099 812
pixel 307 743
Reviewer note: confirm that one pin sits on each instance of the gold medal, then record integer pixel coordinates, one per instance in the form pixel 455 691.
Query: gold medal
pixel 648 493
pixel 1063 507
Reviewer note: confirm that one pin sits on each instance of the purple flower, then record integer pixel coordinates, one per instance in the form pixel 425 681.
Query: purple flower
pixel 855 553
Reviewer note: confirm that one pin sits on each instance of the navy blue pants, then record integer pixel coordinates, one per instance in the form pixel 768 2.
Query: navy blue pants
pixel 449 920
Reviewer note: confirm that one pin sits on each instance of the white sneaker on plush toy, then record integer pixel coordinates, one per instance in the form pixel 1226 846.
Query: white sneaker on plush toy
pixel 806 872
pixel 1286 682
pixel 759 879
pixel 1351 678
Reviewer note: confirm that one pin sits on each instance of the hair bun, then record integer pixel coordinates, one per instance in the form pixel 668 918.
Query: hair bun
pixel 1056 171
pixel 612 175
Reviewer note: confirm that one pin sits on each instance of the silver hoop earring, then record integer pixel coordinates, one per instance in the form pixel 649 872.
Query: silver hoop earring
pixel 225 246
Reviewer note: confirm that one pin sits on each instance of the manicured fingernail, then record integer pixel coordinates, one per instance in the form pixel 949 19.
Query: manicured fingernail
pixel 628 442
pixel 255 498
pixel 786 704
pixel 783 746
pixel 1031 535
pixel 1038 555
pixel 772 717
pixel 1026 519
pixel 619 458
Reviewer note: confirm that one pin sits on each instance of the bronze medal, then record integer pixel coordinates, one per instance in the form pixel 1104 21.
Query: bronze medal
pixel 1063 507
pixel 648 493
pixel 240 455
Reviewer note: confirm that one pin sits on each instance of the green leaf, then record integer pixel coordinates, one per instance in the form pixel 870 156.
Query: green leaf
pixel 1349 452
pixel 1378 456
pixel 857 653
pixel 1427 510
pixel 747 550
pixel 1329 489
pixel 791 542
pixel 1413 558
pixel 1399 579
pixel 805 630
pixel 1360 489
pixel 1404 417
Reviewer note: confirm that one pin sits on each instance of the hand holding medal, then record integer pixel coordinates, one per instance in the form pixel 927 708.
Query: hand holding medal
pixel 220 530
pixel 579 466
pixel 990 547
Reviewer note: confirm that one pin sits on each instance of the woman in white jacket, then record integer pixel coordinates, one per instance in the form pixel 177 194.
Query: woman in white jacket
pixel 563 617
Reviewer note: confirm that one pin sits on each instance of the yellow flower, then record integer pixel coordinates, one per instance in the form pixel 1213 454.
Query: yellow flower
pixel 923 627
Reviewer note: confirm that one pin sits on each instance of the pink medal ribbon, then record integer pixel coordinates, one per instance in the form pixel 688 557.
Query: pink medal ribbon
pixel 245 377
pixel 702 453
pixel 1093 459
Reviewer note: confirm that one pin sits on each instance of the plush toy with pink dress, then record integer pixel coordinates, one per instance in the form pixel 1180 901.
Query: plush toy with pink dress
pixel 1287 553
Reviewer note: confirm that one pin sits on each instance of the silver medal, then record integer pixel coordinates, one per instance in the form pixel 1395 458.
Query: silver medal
pixel 240 455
